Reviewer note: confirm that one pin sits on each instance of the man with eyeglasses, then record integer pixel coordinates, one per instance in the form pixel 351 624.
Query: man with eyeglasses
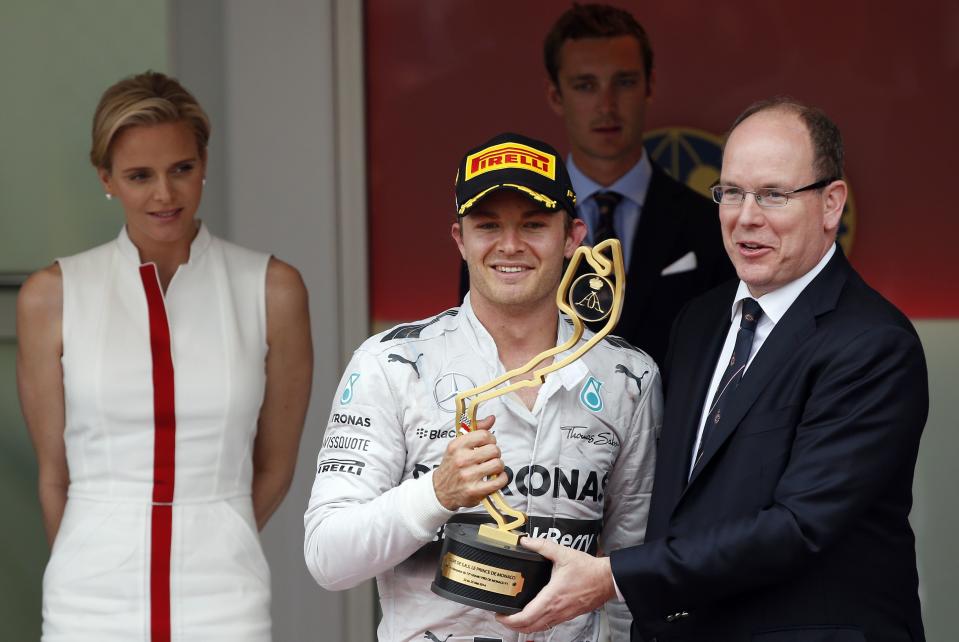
pixel 795 401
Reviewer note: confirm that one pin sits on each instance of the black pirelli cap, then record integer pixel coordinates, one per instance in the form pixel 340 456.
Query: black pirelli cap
pixel 512 161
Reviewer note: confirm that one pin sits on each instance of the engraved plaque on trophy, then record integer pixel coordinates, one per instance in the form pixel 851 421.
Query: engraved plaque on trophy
pixel 485 566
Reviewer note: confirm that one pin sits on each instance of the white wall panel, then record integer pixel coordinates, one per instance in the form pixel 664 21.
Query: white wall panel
pixel 935 517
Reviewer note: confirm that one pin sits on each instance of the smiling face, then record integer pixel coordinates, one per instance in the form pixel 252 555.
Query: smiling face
pixel 771 247
pixel 602 96
pixel 514 250
pixel 157 175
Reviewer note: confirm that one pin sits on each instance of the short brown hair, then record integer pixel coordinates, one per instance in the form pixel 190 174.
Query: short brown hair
pixel 823 133
pixel 149 98
pixel 594 21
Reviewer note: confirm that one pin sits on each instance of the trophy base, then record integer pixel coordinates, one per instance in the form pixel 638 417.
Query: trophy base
pixel 488 574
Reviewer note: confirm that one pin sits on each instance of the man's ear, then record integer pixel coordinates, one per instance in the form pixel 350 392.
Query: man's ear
pixel 554 97
pixel 457 233
pixel 834 200
pixel 575 236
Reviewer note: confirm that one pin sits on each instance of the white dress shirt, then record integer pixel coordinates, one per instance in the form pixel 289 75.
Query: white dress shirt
pixel 774 305
pixel 633 186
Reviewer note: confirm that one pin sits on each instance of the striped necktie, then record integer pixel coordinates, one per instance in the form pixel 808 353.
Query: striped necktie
pixel 734 371
pixel 606 202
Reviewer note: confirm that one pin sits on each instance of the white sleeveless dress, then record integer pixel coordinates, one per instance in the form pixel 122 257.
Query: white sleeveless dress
pixel 158 541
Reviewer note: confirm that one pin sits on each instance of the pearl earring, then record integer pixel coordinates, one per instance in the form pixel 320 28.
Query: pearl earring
pixel 204 181
pixel 109 196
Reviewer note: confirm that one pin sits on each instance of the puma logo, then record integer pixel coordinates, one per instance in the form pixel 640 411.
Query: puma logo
pixel 398 358
pixel 626 371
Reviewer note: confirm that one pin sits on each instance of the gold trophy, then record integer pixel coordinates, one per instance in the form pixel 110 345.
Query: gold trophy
pixel 484 566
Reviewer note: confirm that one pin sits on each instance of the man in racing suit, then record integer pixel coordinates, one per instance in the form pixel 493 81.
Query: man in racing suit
pixel 577 454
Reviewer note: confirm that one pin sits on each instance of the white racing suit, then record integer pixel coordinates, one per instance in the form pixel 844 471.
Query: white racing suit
pixel 580 464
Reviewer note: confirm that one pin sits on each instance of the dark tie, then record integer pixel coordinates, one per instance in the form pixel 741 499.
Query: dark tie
pixel 734 371
pixel 606 202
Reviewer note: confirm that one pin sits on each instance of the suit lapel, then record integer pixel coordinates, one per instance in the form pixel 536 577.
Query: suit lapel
pixel 793 329
pixel 688 385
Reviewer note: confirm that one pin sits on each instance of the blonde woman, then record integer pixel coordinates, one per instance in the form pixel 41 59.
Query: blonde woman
pixel 164 377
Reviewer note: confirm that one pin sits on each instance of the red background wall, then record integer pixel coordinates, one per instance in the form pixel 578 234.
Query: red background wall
pixel 444 75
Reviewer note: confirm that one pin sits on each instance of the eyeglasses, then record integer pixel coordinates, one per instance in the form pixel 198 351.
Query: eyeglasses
pixel 765 196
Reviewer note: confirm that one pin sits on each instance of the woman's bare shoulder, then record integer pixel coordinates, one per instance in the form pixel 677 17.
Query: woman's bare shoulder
pixel 42 292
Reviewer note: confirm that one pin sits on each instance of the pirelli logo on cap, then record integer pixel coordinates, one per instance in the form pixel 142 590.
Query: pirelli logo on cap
pixel 510 155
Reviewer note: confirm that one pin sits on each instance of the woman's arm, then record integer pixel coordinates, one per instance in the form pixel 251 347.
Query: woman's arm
pixel 289 377
pixel 40 382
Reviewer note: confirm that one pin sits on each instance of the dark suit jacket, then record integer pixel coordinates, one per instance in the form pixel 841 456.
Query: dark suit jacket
pixel 674 221
pixel 793 526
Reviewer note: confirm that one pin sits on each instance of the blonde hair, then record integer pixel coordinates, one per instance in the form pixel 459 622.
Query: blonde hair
pixel 149 98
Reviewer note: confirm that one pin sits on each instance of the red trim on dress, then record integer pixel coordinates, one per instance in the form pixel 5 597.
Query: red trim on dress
pixel 164 453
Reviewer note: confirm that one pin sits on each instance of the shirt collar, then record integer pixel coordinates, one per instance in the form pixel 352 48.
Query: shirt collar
pixel 634 184
pixel 199 244
pixel 775 303
pixel 482 339
pixel 571 375
pixel 568 376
